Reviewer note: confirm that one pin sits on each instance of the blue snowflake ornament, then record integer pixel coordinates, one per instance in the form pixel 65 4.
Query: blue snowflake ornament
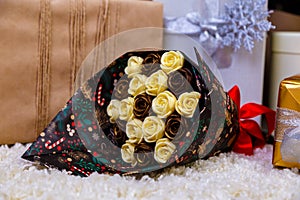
pixel 246 23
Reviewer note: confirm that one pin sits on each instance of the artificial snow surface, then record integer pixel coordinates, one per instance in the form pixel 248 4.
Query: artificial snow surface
pixel 227 176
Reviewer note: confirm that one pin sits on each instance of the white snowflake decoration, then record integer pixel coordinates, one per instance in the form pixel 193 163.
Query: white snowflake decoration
pixel 246 22
pixel 243 23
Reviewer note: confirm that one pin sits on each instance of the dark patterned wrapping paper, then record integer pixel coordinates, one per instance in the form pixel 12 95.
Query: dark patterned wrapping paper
pixel 82 138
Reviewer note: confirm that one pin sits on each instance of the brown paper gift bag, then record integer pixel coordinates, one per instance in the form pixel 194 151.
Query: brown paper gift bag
pixel 42 45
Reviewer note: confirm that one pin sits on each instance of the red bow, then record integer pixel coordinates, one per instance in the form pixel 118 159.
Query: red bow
pixel 250 136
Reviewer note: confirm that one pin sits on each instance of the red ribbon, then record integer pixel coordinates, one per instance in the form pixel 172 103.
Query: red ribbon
pixel 251 136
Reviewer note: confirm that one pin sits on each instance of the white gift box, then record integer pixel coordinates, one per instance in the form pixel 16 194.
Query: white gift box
pixel 246 69
pixel 285 61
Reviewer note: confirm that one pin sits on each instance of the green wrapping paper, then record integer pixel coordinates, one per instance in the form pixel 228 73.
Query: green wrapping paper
pixel 146 111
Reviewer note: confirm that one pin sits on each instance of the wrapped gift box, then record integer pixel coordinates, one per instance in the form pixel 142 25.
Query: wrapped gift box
pixel 282 56
pixel 287 132
pixel 246 69
pixel 285 61
pixel 43 43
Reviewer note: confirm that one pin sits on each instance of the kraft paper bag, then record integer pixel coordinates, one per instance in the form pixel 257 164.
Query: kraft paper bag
pixel 42 45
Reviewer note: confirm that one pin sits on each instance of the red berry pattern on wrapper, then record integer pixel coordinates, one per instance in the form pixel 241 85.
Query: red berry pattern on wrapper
pixel 85 138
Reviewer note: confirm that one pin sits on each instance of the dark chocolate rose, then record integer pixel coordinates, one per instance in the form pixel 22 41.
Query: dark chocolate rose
pixel 121 89
pixel 176 126
pixel 180 81
pixel 152 58
pixel 151 64
pixel 117 136
pixel 144 154
pixel 142 105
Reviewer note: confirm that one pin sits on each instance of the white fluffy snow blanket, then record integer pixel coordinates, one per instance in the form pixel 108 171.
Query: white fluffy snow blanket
pixel 227 176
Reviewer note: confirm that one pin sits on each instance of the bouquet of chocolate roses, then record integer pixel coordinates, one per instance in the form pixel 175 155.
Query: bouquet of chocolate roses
pixel 146 111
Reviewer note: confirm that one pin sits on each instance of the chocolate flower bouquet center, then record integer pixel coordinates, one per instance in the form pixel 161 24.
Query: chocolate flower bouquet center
pixel 152 101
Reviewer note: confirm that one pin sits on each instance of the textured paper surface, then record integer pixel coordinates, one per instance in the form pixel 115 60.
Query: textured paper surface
pixel 43 43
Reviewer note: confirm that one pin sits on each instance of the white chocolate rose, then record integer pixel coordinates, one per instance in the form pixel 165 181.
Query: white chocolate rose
pixel 163 150
pixel 171 61
pixel 153 128
pixel 164 104
pixel 137 84
pixel 134 131
pixel 187 103
pixel 134 66
pixel 127 153
pixel 126 109
pixel 156 83
pixel 113 110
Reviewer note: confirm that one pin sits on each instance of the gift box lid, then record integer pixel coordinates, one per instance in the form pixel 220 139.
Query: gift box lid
pixel 284 42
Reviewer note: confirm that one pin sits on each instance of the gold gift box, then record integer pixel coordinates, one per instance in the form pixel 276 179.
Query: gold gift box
pixel 287 135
